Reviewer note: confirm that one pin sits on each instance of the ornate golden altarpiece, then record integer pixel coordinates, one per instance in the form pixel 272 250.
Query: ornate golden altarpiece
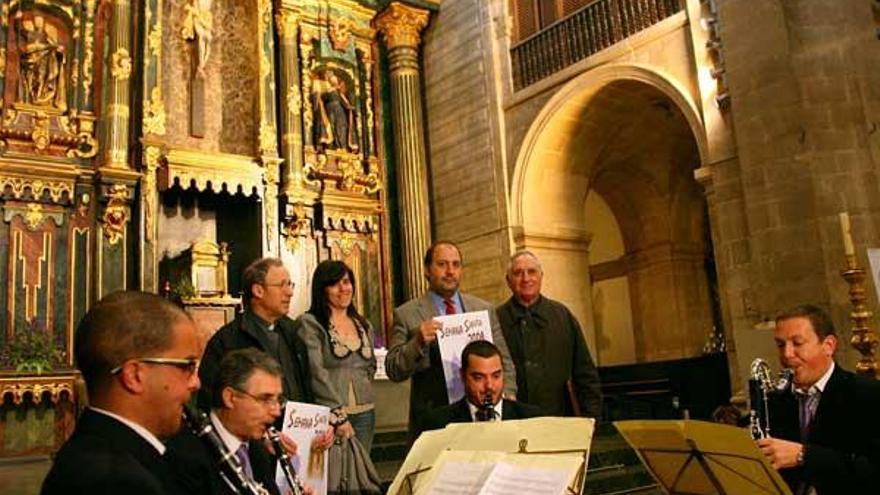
pixel 130 129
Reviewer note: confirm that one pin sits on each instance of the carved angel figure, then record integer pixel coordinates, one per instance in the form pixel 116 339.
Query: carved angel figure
pixel 41 62
pixel 198 25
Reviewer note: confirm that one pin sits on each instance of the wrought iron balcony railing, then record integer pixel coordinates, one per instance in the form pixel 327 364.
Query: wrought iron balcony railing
pixel 583 33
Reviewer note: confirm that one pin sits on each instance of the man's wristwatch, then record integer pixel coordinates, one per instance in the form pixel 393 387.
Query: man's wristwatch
pixel 800 455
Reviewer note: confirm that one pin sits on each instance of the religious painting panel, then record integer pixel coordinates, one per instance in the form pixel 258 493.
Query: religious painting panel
pixel 339 143
pixel 49 53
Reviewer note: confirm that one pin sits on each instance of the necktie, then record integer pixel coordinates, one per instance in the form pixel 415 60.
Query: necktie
pixel 808 403
pixel 242 454
pixel 450 306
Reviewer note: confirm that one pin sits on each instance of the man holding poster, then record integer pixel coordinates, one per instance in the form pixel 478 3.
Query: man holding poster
pixel 413 350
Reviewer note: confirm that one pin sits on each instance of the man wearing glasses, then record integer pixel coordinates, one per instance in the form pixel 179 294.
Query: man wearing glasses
pixel 246 399
pixel 263 325
pixel 138 355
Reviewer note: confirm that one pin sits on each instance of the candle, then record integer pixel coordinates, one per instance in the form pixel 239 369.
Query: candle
pixel 845 229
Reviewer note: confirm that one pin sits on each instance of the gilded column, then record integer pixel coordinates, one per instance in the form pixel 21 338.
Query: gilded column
pixel 400 25
pixel 268 137
pixel 287 23
pixel 118 107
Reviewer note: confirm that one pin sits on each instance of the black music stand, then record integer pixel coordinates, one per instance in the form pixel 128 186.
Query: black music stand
pixel 699 458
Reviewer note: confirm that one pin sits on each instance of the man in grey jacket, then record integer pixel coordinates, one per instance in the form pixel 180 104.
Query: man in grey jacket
pixel 413 350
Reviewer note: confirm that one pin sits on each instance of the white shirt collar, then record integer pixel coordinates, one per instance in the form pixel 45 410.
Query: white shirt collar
pixel 140 430
pixel 822 382
pixel 473 409
pixel 232 442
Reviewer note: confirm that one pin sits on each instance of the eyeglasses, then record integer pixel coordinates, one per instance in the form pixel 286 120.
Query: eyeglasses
pixel 267 400
pixel 189 365
pixel 286 284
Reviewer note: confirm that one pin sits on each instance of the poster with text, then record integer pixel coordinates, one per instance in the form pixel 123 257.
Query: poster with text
pixel 457 331
pixel 304 423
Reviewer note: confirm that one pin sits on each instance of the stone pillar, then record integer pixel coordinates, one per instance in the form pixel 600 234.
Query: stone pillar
pixel 118 107
pixel 400 25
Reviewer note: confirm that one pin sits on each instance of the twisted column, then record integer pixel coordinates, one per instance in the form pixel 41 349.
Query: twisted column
pixel 400 25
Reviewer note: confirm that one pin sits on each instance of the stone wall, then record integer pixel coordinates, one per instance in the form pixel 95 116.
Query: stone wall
pixel 465 136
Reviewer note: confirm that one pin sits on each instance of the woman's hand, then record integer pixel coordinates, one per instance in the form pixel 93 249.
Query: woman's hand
pixel 345 430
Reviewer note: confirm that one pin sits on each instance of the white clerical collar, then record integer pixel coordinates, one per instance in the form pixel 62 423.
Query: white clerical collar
pixel 140 430
pixel 232 442
pixel 473 409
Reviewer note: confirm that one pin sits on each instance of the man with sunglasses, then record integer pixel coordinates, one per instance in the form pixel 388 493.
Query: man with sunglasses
pixel 138 355
pixel 246 400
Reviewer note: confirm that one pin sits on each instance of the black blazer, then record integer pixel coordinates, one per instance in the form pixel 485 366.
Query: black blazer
pixel 843 444
pixel 241 334
pixel 458 412
pixel 194 466
pixel 104 456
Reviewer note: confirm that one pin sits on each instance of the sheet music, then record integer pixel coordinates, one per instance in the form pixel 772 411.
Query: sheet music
pixel 545 434
pixel 498 473
pixel 506 479
pixel 461 478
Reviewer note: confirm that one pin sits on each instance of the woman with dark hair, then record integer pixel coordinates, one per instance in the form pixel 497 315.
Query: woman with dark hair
pixel 340 346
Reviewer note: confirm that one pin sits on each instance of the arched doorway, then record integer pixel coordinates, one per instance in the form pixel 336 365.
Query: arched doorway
pixel 604 193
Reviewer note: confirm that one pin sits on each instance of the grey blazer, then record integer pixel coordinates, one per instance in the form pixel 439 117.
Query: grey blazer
pixel 331 375
pixel 407 359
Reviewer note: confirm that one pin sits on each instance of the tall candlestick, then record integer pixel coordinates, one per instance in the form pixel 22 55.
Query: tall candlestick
pixel 845 228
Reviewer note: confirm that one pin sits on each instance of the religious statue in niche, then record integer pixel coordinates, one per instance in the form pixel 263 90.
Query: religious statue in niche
pixel 41 62
pixel 335 117
pixel 198 25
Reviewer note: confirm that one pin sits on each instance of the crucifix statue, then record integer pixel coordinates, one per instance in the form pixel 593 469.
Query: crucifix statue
pixel 198 24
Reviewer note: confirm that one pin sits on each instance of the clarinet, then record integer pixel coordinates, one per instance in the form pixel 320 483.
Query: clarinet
pixel 230 467
pixel 284 461
pixel 761 385
pixel 486 410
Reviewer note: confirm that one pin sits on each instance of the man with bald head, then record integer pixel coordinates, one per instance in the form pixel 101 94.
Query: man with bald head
pixel 547 346
pixel 138 355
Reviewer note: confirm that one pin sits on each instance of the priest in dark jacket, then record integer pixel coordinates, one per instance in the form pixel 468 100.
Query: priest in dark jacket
pixel 554 369
pixel 263 325
pixel 825 435
pixel 483 377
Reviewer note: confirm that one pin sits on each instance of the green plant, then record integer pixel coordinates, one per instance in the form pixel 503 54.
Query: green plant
pixel 31 350
pixel 182 289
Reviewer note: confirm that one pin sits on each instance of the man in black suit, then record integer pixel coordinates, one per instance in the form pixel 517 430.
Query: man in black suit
pixel 138 355
pixel 247 399
pixel 483 377
pixel 826 434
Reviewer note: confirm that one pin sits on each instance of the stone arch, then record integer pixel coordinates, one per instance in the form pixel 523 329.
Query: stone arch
pixel 633 136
